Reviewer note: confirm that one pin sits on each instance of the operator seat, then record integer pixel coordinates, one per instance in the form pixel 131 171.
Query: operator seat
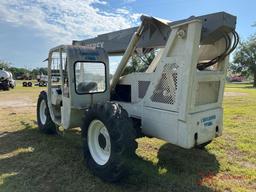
pixel 85 87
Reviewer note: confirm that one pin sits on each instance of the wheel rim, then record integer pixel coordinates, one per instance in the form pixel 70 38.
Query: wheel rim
pixel 42 112
pixel 99 142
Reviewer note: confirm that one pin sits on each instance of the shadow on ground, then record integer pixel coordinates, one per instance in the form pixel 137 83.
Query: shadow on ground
pixel 31 161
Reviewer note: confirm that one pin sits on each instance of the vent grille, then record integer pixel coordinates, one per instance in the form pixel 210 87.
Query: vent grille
pixel 165 91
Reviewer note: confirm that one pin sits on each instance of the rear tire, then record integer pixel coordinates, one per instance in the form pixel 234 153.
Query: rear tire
pixel 108 141
pixel 44 120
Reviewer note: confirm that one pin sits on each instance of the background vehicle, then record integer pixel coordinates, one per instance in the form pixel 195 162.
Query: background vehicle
pixel 41 80
pixel 6 80
pixel 177 99
pixel 236 78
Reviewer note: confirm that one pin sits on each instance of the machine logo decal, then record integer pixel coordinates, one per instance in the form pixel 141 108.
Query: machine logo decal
pixel 208 121
pixel 90 56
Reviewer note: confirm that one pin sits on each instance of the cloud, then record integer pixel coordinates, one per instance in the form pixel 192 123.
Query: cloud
pixel 65 20
pixel 129 1
pixel 122 11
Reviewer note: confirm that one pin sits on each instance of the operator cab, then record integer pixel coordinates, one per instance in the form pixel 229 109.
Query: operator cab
pixel 84 80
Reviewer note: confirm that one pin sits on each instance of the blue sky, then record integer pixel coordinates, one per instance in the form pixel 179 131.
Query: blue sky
pixel 29 28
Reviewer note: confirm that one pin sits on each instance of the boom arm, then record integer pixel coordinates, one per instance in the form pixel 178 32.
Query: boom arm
pixel 153 33
pixel 156 33
pixel 130 49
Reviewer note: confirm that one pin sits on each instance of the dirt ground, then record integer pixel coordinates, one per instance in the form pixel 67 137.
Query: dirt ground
pixel 16 103
pixel 19 97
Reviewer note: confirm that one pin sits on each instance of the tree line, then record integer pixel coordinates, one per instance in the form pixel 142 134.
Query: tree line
pixel 22 73
pixel 244 61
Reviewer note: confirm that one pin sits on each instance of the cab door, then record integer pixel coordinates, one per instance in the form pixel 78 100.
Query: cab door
pixel 87 83
pixel 56 75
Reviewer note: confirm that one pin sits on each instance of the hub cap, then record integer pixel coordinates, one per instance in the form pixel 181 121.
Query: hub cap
pixel 42 112
pixel 99 142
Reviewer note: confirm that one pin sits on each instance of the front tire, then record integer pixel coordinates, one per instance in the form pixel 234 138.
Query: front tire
pixel 44 121
pixel 108 141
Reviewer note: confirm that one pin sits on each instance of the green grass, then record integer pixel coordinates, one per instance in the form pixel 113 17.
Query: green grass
pixel 31 161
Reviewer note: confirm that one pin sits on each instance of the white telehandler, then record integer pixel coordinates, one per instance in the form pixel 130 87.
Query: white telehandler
pixel 177 99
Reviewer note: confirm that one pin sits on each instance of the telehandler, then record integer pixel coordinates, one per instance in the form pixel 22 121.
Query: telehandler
pixel 177 99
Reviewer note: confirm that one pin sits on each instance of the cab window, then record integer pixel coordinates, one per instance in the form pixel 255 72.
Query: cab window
pixel 90 77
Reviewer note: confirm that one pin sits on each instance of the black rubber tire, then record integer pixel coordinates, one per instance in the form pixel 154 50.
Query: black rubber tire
pixel 12 86
pixel 24 84
pixel 203 145
pixel 29 84
pixel 6 86
pixel 122 138
pixel 49 127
